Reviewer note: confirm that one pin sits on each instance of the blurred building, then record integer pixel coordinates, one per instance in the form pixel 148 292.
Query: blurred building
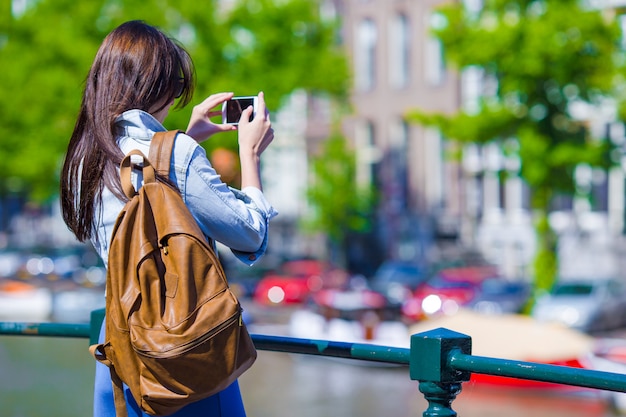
pixel 427 197
pixel 397 66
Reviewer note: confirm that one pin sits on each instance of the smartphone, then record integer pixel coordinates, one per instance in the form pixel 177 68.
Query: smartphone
pixel 231 109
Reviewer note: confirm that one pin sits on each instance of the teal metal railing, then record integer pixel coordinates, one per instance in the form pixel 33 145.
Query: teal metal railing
pixel 440 360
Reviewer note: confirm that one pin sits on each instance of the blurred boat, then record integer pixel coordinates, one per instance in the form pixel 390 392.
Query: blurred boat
pixel 23 301
pixel 76 305
pixel 520 338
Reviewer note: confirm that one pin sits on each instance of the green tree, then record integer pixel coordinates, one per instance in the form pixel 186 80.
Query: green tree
pixel 545 57
pixel 46 51
pixel 340 207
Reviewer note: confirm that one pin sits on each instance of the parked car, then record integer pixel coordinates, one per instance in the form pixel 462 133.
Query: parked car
pixel 446 292
pixel 274 289
pixel 588 304
pixel 296 280
pixel 501 296
pixel 397 280
pixel 438 296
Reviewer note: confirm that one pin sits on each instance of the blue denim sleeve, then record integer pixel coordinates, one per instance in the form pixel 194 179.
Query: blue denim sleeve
pixel 237 219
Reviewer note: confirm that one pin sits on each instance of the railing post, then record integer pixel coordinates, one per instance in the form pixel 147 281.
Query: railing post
pixel 97 317
pixel 429 365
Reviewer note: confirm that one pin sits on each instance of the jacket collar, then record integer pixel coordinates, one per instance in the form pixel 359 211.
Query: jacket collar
pixel 138 124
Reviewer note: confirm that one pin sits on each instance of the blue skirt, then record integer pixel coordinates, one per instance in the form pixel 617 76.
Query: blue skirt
pixel 227 403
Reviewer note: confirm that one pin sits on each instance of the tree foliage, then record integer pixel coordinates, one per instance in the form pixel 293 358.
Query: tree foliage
pixel 545 58
pixel 341 207
pixel 249 46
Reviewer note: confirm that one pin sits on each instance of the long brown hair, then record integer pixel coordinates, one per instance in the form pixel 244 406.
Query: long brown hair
pixel 136 67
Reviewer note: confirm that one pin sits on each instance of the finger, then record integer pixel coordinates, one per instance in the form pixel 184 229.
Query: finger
pixel 245 115
pixel 215 100
pixel 221 96
pixel 223 127
pixel 261 108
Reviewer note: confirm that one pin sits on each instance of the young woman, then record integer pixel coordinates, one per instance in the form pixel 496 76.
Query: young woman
pixel 136 77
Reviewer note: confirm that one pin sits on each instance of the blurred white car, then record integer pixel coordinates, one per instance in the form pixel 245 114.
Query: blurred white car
pixel 590 305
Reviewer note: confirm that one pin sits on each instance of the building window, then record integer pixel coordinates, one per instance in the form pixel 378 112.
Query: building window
pixel 433 160
pixel 434 65
pixel 367 154
pixel 472 88
pixel 399 49
pixel 365 55
pixel 399 154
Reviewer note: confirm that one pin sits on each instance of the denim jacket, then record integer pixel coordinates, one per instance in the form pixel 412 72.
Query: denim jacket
pixel 237 219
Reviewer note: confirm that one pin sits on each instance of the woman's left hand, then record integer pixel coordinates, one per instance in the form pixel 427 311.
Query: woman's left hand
pixel 200 125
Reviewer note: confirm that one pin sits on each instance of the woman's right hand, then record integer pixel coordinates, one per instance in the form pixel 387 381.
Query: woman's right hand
pixel 255 135
pixel 254 138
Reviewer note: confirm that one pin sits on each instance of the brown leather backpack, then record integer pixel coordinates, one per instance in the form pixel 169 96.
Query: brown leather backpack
pixel 174 330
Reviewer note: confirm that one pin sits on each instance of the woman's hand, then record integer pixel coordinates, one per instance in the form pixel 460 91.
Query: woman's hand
pixel 255 135
pixel 254 138
pixel 200 125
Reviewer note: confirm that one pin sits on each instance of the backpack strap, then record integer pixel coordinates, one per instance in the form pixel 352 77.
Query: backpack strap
pixel 161 148
pixel 99 352
pixel 119 399
pixel 126 166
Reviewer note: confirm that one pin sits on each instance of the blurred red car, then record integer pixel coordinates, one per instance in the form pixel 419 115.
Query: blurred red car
pixel 297 280
pixel 445 293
